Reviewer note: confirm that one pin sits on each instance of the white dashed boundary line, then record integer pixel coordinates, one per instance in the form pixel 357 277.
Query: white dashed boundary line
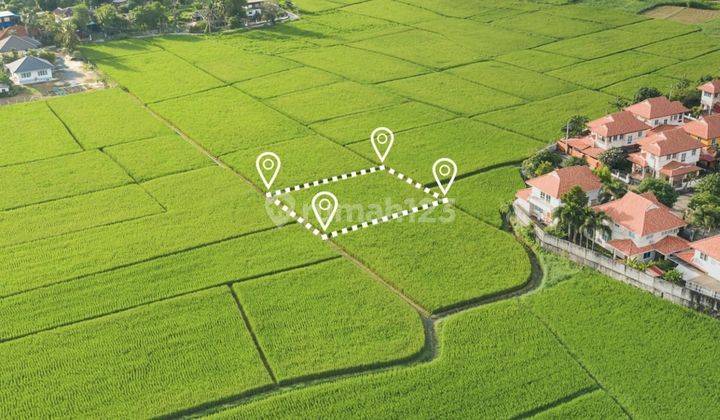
pixel 334 234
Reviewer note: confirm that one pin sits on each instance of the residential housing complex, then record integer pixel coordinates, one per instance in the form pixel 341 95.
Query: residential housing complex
pixel 672 154
pixel 710 96
pixel 544 194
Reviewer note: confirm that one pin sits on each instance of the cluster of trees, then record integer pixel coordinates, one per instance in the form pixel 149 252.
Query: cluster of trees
pixel 704 206
pixel 579 222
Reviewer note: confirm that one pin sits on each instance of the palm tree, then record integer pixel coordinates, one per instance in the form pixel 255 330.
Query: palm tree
pixel 570 217
pixel 602 225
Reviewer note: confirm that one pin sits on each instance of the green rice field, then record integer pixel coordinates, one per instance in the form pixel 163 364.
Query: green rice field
pixel 145 271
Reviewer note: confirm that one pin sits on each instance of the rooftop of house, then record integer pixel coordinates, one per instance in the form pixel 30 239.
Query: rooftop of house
pixel 7 13
pixel 19 30
pixel 712 86
pixel 657 108
pixel 709 246
pixel 669 142
pixel 28 63
pixel 670 244
pixel 18 43
pixel 641 214
pixel 622 122
pixel 707 127
pixel 675 168
pixel 560 181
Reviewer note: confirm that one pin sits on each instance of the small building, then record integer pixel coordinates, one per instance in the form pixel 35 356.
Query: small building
pixel 544 194
pixel 641 227
pixel 4 88
pixel 710 96
pixel 30 69
pixel 8 19
pixel 671 154
pixel 705 256
pixel 659 111
pixel 18 43
pixel 706 129
pixel 253 9
pixel 621 129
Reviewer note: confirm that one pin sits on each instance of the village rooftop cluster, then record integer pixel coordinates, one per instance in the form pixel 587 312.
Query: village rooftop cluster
pixel 619 213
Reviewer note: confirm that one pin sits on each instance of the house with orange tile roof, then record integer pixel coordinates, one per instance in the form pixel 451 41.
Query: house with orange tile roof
pixel 658 112
pixel 620 129
pixel 544 193
pixel 671 154
pixel 703 255
pixel 641 227
pixel 710 96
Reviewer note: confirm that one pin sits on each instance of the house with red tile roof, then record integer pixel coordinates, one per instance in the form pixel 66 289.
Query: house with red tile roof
pixel 701 263
pixel 620 129
pixel 544 193
pixel 671 154
pixel 710 96
pixel 659 111
pixel 641 227
pixel 707 130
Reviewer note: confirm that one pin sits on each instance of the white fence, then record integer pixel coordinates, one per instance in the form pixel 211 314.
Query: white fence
pixel 616 269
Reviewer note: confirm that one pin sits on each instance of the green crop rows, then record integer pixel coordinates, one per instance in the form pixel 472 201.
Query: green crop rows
pixel 144 273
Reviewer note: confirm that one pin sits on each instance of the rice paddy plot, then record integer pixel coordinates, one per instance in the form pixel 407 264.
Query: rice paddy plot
pixel 497 361
pixel 483 195
pixel 160 156
pixel 315 6
pixel 357 127
pixel 525 84
pixel 607 15
pixel 596 74
pixel 536 60
pixel 426 257
pixel 329 317
pixel 628 88
pixel 146 362
pixel 683 47
pixel 357 64
pixel 472 145
pixel 281 83
pixel 547 24
pixel 360 199
pixel 59 177
pixel 207 206
pixel 596 404
pixel 106 117
pixel 302 160
pixel 545 119
pixel 452 93
pixel 660 29
pixel 332 101
pixel 635 343
pixel 225 119
pixel 413 46
pixel 101 294
pixel 75 213
pixel 42 135
pixel 224 60
pixel 708 64
pixel 600 44
pixel 486 40
pixel 156 76
pixel 392 10
pixel 119 48
pixel 351 27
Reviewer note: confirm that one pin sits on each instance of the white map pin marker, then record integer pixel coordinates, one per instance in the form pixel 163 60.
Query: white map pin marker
pixel 444 169
pixel 324 205
pixel 382 139
pixel 268 166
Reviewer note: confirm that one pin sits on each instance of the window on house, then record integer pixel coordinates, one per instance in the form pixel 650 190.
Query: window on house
pixel 629 140
pixel 544 196
pixel 703 256
pixel 682 157
pixel 674 155
pixel 632 235
pixel 42 72
pixel 24 75
pixel 694 152
pixel 647 255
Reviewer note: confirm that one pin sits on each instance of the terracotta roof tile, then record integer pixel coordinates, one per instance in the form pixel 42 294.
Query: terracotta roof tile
pixel 560 181
pixel 657 108
pixel 709 246
pixel 676 168
pixel 712 86
pixel 622 122
pixel 641 214
pixel 524 194
pixel 707 127
pixel 669 142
